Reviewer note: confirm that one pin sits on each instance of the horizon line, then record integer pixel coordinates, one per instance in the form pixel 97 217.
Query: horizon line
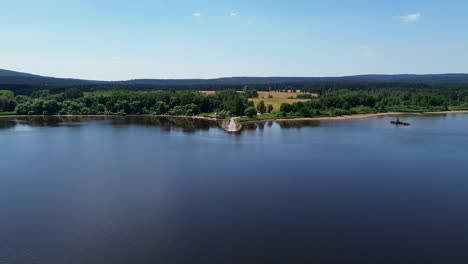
pixel 239 76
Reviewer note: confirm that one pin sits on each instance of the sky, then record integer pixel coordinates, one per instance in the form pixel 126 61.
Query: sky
pixel 123 39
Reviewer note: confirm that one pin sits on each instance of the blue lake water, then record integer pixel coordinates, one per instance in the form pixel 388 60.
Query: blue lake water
pixel 147 190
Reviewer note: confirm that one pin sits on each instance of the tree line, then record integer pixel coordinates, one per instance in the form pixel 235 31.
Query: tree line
pixel 232 103
pixel 306 87
pixel 347 102
pixel 77 102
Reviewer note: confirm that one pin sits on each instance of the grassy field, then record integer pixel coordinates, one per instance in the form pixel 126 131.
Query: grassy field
pixel 258 118
pixel 278 98
pixel 7 113
pixel 207 92
pixel 209 115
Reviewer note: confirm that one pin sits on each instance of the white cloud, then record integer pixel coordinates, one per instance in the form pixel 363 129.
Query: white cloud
pixel 197 14
pixel 116 58
pixel 233 14
pixel 410 18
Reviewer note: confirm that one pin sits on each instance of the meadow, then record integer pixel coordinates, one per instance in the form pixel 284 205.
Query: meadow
pixel 277 98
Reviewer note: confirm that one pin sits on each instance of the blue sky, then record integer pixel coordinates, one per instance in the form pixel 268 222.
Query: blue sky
pixel 116 40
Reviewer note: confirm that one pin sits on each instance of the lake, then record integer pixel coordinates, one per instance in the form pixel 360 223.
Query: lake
pixel 149 190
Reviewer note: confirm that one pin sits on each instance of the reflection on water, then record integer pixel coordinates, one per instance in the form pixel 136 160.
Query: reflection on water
pixel 6 123
pixel 108 190
pixel 298 124
pixel 187 125
pixel 282 124
pixel 166 123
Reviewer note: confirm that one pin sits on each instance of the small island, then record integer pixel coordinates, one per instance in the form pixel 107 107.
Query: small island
pixel 399 123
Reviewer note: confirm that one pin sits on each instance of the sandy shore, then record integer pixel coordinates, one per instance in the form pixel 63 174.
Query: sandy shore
pixel 353 117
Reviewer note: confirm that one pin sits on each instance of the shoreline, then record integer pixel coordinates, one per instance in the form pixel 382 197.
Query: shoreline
pixel 332 118
pixel 355 117
pixel 85 116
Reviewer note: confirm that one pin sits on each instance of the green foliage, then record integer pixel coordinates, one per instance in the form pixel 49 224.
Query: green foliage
pixel 6 93
pixel 7 101
pixel 269 108
pixel 250 92
pixel 73 93
pixel 231 103
pixel 304 96
pixel 285 108
pixel 261 107
pixel 75 102
pixel 223 114
pixel 23 108
pixel 346 102
pixel 362 110
pixel 40 94
pixel 259 117
pixel 51 107
pixel 347 106
pixel 460 107
pixel 250 112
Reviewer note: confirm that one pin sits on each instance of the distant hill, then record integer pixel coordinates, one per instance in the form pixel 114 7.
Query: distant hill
pixel 18 78
pixel 21 78
pixel 407 78
pixel 7 73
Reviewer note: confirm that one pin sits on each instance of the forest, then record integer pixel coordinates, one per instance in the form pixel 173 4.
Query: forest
pixel 77 102
pixel 347 102
pixel 331 102
pixel 310 87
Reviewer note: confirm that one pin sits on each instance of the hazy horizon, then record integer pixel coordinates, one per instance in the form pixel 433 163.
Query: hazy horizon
pixel 120 40
pixel 227 77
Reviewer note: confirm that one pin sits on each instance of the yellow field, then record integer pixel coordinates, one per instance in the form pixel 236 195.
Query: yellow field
pixel 207 92
pixel 277 99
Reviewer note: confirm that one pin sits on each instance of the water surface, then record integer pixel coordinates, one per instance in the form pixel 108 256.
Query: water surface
pixel 148 190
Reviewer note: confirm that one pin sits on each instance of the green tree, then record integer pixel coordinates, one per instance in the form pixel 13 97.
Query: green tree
pixel 51 107
pixel 177 110
pixel 72 93
pixel 7 101
pixel 270 108
pixel 6 93
pixel 285 108
pixel 135 107
pixel 346 106
pixel 191 109
pixel 23 108
pixel 250 92
pixel 37 107
pixel 261 107
pixel 99 109
pixel 250 111
pixel 160 108
pixel 40 94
